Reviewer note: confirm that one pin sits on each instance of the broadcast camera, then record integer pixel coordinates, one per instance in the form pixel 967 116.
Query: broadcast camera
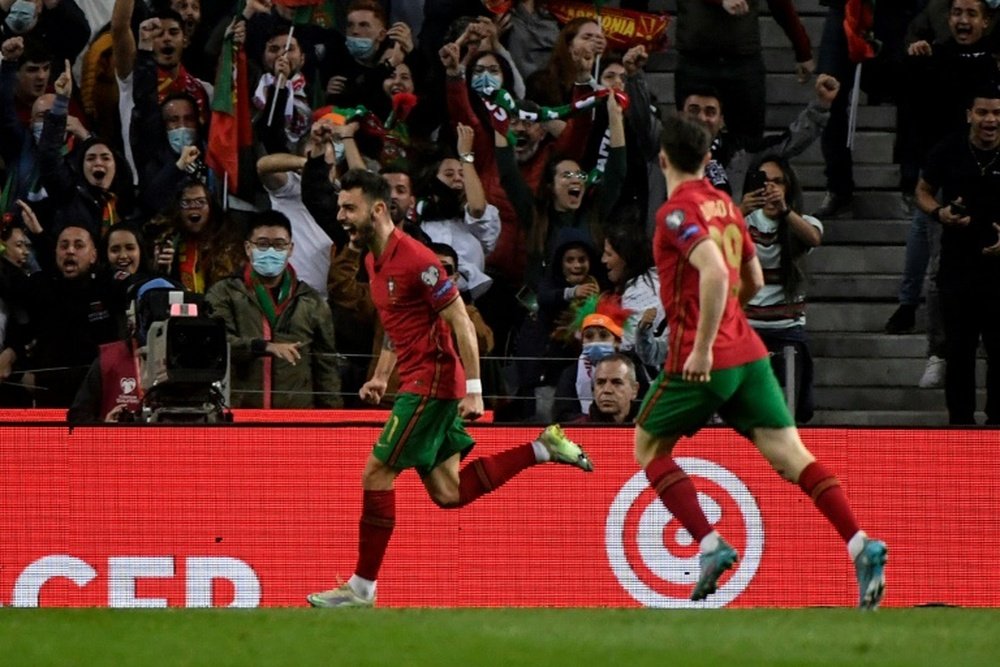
pixel 184 356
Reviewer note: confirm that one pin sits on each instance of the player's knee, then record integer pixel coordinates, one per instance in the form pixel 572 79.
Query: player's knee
pixel 446 499
pixel 649 447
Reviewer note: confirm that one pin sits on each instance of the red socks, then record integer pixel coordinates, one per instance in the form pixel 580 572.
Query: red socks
pixel 378 508
pixel 378 518
pixel 678 494
pixel 824 488
pixel 489 473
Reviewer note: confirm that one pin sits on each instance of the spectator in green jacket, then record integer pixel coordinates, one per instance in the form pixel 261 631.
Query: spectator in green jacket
pixel 280 330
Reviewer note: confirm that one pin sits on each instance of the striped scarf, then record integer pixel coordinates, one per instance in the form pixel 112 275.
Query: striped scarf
pixel 265 299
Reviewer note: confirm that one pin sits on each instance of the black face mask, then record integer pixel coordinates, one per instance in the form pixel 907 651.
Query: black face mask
pixel 444 203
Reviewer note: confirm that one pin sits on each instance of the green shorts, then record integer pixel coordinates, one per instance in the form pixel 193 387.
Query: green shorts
pixel 746 397
pixel 421 433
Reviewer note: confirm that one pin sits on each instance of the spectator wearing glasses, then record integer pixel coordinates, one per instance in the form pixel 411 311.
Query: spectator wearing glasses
pixel 196 243
pixel 567 197
pixel 280 330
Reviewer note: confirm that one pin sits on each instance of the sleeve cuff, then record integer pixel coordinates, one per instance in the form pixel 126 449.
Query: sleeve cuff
pixel 258 346
pixel 61 106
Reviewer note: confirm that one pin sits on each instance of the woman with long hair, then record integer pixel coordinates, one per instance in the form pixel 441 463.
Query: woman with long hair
pixel 784 236
pixel 196 243
pixel 581 42
pixel 628 259
pixel 567 197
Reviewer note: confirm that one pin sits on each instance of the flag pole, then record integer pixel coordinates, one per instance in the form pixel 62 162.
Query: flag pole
pixel 852 116
pixel 279 83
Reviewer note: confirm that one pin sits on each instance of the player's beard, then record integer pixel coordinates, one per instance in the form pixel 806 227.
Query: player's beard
pixel 366 233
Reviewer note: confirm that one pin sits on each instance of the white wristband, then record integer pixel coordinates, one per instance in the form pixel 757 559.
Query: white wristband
pixel 474 386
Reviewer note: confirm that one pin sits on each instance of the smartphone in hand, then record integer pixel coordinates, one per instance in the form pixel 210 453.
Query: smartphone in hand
pixel 754 181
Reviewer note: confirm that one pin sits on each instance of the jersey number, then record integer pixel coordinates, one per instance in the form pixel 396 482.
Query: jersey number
pixel 730 240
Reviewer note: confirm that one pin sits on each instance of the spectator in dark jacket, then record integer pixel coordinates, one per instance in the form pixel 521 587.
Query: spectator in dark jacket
pixel 99 193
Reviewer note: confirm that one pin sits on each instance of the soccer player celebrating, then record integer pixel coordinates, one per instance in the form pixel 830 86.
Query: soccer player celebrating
pixel 420 307
pixel 717 364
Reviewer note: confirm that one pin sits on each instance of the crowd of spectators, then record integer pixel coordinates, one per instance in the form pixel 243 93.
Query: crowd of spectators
pixel 523 151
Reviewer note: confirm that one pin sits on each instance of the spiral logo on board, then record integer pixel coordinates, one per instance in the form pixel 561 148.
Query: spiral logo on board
pixel 654 557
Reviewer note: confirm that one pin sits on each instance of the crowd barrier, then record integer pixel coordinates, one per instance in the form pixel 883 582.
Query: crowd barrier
pixel 249 515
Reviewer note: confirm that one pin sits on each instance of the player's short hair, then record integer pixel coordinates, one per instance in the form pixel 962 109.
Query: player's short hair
pixel 268 219
pixel 370 6
pixel 372 185
pixel 685 141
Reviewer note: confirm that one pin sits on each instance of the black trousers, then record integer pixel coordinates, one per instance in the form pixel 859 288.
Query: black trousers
pixel 968 317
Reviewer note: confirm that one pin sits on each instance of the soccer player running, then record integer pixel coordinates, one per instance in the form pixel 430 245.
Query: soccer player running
pixel 420 307
pixel 717 364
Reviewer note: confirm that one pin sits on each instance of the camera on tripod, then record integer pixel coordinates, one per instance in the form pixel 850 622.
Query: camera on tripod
pixel 184 356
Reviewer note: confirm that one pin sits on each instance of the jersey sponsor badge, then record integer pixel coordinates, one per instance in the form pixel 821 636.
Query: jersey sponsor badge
pixel 430 275
pixel 674 220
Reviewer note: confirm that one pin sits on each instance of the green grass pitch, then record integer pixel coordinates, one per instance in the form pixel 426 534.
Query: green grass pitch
pixel 474 637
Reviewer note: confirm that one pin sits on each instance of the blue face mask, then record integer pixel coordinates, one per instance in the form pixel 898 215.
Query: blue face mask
pixel 361 48
pixel 594 352
pixel 179 137
pixel 268 263
pixel 21 16
pixel 36 131
pixel 485 83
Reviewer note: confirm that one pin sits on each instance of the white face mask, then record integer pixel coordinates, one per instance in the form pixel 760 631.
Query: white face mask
pixel 179 137
pixel 361 48
pixel 21 17
pixel 268 263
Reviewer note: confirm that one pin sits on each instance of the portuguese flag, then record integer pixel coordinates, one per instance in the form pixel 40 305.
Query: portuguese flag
pixel 230 129
pixel 313 12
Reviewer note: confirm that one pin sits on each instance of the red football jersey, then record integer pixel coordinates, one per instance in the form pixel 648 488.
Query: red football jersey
pixel 409 288
pixel 697 212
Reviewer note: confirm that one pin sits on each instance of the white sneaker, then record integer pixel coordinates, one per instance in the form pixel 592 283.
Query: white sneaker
pixel 933 376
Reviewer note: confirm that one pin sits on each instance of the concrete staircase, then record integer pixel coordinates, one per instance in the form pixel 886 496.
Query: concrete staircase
pixel 863 376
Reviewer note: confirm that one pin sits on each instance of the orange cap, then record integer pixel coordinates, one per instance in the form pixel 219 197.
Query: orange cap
pixel 600 320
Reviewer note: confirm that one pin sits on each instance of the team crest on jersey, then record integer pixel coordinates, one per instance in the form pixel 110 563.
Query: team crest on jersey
pixel 430 276
pixel 674 220
pixel 127 385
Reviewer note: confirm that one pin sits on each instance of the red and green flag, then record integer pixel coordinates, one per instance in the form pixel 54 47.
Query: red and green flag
pixel 230 130
pixel 314 12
